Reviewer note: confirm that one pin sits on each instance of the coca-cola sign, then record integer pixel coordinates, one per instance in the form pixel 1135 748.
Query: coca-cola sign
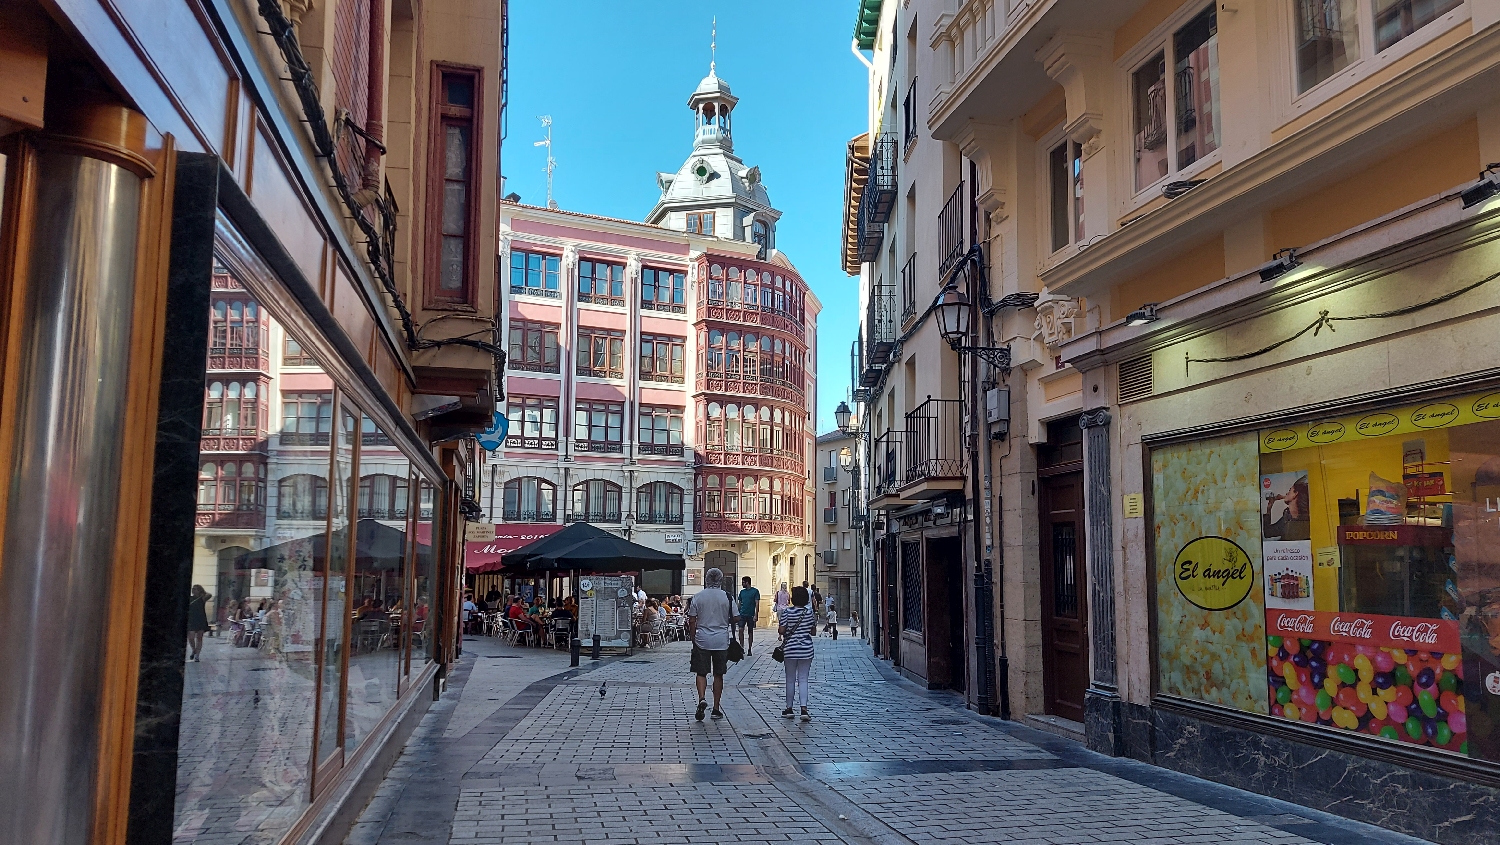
pixel 1434 635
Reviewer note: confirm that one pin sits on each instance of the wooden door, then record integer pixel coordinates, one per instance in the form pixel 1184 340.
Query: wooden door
pixel 1065 649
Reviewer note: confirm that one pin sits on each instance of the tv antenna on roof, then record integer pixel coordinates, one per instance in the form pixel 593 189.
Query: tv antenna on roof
pixel 546 120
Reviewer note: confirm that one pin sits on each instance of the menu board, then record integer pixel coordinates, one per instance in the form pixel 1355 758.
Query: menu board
pixel 605 607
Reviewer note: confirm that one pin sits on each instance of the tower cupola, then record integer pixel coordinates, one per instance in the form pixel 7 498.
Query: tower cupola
pixel 712 104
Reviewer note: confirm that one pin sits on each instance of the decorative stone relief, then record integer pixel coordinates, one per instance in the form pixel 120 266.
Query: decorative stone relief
pixel 569 260
pixel 1056 320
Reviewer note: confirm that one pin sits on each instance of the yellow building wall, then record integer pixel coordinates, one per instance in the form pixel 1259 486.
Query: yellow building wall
pixel 1437 164
pixel 1176 276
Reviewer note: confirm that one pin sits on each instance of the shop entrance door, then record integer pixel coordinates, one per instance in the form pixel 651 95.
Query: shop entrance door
pixel 1065 653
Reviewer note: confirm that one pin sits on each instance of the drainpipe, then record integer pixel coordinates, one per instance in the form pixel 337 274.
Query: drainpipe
pixel 375 98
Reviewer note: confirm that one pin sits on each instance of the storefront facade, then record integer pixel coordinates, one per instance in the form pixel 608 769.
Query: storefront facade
pixel 235 444
pixel 1305 584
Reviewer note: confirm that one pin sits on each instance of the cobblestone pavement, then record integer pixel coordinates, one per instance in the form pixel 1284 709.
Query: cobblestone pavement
pixel 882 761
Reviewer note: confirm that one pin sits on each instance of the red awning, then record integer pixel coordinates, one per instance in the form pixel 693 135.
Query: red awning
pixel 484 556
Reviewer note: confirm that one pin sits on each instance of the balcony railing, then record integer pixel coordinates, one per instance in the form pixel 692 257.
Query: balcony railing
pixel 830 475
pixel 856 369
pixel 605 446
pixel 595 517
pixel 658 519
pixel 951 232
pixel 517 441
pixel 880 333
pixel 547 293
pixel 889 471
pixel 660 449
pixel 518 515
pixel 878 198
pixel 909 289
pixel 830 558
pixel 909 118
pixel 784 526
pixel 934 441
pixel 830 516
pixel 303 438
pixel 243 519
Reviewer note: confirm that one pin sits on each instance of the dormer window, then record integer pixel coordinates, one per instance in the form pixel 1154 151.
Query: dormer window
pixel 700 222
pixel 760 235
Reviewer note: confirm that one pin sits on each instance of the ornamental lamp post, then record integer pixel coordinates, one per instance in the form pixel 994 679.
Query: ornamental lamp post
pixel 841 416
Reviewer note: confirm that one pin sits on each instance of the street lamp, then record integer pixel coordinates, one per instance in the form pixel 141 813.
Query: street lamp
pixel 954 312
pixel 846 458
pixel 841 416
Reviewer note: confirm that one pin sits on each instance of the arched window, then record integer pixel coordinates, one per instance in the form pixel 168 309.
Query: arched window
pixel 530 499
pixel 382 496
pixel 231 486
pixel 712 503
pixel 302 497
pixel 658 503
pixel 715 425
pixel 732 355
pixel 716 283
pixel 715 351
pixel 760 235
pixel 731 496
pixel 595 501
pixel 732 427
pixel 752 354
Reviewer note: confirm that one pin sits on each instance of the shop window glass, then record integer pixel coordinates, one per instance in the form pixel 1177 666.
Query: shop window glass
pixel 259 579
pixel 424 640
pixel 336 596
pixel 377 586
pixel 1372 546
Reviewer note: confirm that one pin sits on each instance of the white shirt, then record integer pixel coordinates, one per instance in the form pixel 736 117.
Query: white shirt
pixel 640 595
pixel 469 608
pixel 712 609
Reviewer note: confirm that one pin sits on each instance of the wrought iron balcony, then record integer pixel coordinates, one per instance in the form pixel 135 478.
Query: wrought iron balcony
pixel 951 232
pixel 830 475
pixel 934 442
pixel 880 333
pixel 830 516
pixel 889 470
pixel 909 289
pixel 878 198
pixel 830 558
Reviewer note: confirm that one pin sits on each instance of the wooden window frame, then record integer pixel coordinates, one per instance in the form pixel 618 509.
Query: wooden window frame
pixel 676 358
pixel 440 116
pixel 519 352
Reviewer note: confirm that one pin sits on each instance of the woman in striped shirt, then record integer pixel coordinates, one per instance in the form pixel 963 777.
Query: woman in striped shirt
pixel 798 624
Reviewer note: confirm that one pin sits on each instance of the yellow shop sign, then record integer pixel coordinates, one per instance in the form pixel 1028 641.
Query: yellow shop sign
pixel 1478 407
pixel 1213 573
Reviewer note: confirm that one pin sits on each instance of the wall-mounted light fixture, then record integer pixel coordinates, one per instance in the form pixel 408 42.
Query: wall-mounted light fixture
pixel 1143 315
pixel 1487 186
pixel 1284 262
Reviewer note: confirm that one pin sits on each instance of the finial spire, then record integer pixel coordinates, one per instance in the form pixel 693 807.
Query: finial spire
pixel 713 47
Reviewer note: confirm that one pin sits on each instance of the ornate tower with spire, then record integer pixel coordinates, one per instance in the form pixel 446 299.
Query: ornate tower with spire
pixel 714 192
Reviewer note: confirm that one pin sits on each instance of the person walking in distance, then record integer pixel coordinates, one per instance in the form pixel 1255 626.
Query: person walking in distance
pixel 197 621
pixel 783 598
pixel 749 606
pixel 798 625
pixel 709 616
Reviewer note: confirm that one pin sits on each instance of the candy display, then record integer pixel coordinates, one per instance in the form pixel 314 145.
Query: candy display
pixel 1406 695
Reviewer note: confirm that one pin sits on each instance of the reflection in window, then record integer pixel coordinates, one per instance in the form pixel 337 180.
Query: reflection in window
pixel 1396 19
pixel 595 501
pixel 530 500
pixel 306 419
pixel 533 273
pixel 1327 39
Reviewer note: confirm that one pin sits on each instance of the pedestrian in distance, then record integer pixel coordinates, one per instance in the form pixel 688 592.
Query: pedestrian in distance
pixel 832 619
pixel 709 616
pixel 749 607
pixel 817 603
pixel 783 599
pixel 197 621
pixel 798 624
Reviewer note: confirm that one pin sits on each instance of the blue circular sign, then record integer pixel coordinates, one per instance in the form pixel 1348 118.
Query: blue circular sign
pixel 494 436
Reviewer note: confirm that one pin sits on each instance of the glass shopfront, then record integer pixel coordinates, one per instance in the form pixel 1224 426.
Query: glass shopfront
pixel 1343 573
pixel 313 579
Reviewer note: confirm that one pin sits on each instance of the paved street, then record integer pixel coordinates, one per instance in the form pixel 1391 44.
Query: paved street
pixel 523 749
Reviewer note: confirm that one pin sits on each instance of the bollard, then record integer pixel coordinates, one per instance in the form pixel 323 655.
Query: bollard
pixel 595 655
pixel 573 650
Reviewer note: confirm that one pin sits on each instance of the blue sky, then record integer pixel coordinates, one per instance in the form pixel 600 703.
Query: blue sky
pixel 615 77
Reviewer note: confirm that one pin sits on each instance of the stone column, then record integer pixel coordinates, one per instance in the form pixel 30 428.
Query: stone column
pixel 1101 702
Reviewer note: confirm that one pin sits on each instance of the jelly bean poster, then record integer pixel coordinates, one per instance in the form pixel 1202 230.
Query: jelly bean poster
pixel 1210 632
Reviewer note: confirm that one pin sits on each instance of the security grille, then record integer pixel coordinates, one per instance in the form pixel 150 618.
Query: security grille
pixel 1136 379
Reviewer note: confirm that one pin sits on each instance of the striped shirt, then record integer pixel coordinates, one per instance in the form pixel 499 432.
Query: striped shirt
pixel 800 624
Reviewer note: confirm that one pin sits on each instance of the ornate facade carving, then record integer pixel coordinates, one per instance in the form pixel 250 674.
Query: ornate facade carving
pixel 1056 320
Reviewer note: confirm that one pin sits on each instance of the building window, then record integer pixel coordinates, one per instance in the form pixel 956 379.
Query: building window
pixel 1330 35
pixel 660 430
pixel 601 353
pixel 306 418
pixel 226 486
pixel 595 501
pixel 601 283
pixel 533 273
pixel 662 290
pixel 1065 182
pixel 453 175
pixel 533 346
pixel 382 496
pixel 662 358
pixel 371 435
pixel 302 497
pixel 599 426
pixel 700 222
pixel 1176 115
pixel 236 328
pixel 530 500
pixel 232 410
pixel 658 503
pixel 760 235
pixel 292 354
pixel 1396 19
pixel 533 422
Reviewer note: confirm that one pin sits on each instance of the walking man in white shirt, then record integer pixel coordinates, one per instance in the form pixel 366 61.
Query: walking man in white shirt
pixel 709 616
